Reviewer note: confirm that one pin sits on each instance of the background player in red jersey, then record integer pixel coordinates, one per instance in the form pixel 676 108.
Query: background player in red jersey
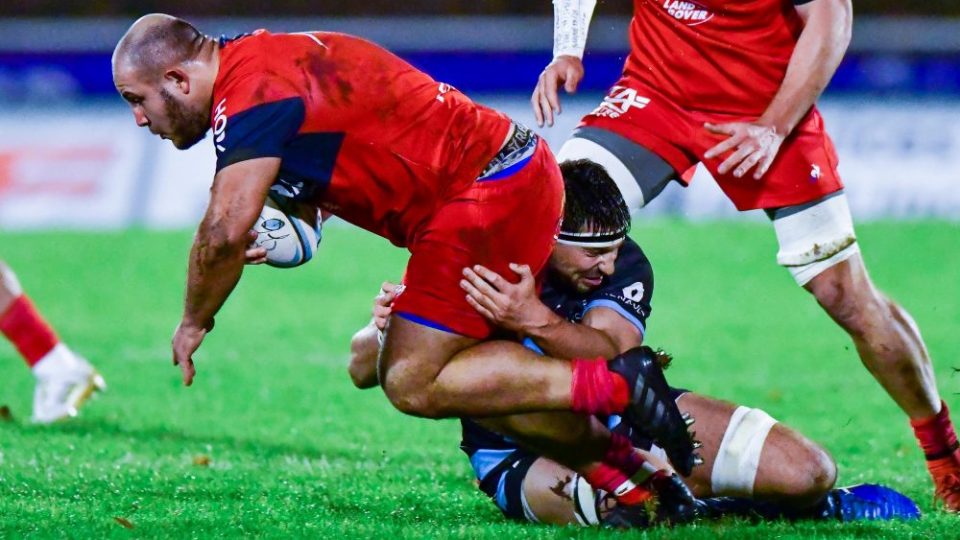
pixel 335 121
pixel 64 379
pixel 596 297
pixel 733 85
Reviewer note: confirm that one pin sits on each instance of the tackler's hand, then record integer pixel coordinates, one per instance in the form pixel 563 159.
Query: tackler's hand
pixel 513 306
pixel 753 145
pixel 383 304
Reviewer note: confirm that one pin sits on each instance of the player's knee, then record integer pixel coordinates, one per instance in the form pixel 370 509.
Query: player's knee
pixel 416 403
pixel 851 305
pixel 793 468
pixel 363 363
pixel 816 473
pixel 360 372
pixel 826 473
pixel 797 471
pixel 409 392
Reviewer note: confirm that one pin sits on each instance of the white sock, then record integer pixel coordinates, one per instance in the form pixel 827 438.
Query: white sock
pixel 57 361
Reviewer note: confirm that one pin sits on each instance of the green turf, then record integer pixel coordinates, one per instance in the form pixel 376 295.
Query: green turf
pixel 295 452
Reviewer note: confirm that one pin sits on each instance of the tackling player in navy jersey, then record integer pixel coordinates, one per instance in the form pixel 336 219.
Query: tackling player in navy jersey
pixel 596 301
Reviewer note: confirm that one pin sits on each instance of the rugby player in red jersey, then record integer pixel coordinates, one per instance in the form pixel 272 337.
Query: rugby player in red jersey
pixel 64 379
pixel 336 121
pixel 733 85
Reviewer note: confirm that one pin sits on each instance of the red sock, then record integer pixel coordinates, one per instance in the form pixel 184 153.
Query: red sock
pixel 27 330
pixel 935 434
pixel 612 480
pixel 621 472
pixel 623 455
pixel 596 389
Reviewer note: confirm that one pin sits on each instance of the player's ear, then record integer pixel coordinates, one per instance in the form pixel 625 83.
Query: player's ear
pixel 179 79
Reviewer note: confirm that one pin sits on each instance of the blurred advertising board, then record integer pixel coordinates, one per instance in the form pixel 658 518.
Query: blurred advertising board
pixel 67 170
pixel 92 168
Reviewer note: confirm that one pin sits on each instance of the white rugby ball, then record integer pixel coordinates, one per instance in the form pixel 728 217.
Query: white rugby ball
pixel 290 232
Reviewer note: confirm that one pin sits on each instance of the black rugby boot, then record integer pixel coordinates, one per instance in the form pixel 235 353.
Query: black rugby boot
pixel 673 504
pixel 652 409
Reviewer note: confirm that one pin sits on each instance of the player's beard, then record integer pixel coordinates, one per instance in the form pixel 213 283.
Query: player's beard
pixel 187 127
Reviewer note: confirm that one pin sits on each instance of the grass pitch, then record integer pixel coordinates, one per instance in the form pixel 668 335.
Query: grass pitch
pixel 272 440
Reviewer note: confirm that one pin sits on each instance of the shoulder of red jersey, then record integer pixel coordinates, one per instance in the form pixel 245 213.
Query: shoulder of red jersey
pixel 256 111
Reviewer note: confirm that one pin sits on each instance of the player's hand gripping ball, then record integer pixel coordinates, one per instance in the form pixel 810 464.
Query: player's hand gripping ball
pixel 290 232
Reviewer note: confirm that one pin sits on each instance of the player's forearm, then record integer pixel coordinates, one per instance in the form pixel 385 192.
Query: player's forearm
pixel 571 22
pixel 217 257
pixel 561 338
pixel 216 263
pixel 815 58
pixel 364 351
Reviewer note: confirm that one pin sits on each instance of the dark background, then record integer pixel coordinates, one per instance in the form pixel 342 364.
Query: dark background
pixel 255 8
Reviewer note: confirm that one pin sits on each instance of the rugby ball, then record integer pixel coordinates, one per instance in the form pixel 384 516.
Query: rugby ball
pixel 289 231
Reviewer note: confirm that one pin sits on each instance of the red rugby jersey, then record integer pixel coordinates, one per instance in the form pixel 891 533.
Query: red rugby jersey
pixel 720 56
pixel 359 131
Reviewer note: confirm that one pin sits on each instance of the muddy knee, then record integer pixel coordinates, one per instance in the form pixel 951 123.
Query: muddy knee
pixel 817 473
pixel 794 470
pixel 853 304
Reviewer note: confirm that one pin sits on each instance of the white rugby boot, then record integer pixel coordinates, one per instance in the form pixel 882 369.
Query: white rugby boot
pixel 64 382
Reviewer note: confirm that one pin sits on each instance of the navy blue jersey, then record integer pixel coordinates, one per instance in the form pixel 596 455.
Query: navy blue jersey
pixel 627 291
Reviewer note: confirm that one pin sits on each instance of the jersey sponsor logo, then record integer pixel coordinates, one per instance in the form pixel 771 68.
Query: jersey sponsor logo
pixel 619 101
pixel 688 13
pixel 220 125
pixel 634 292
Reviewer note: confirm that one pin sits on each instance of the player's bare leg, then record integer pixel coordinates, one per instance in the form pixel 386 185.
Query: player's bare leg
pixel 890 346
pixel 64 380
pixel 885 335
pixel 758 458
pixel 432 373
pixel 435 374
pixel 550 490
pixel 575 440
pixel 557 495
